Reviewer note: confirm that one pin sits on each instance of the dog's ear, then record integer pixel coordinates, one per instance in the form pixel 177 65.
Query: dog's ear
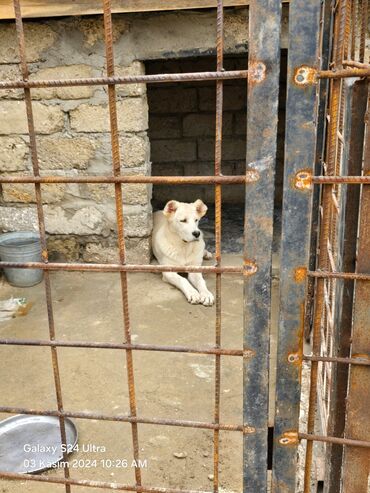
pixel 170 207
pixel 201 207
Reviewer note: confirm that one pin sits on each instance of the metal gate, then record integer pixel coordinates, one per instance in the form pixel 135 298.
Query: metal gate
pixel 323 176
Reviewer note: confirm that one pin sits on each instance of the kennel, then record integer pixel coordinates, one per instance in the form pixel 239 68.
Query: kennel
pixel 324 243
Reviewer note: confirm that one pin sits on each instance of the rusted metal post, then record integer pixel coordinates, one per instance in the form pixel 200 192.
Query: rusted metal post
pixel 357 462
pixel 304 26
pixel 263 97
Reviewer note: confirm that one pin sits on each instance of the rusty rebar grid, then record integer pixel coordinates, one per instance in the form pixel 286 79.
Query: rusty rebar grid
pixel 250 177
pixel 129 79
pixel 116 165
pixel 337 359
pixel 42 232
pixel 217 195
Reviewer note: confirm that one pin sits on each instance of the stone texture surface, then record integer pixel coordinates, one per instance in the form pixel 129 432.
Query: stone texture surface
pixel 38 35
pixel 63 72
pixel 18 218
pixel 138 252
pixel 84 221
pixel 25 193
pixel 63 249
pixel 135 150
pixel 10 72
pixel 131 193
pixel 132 116
pixel 48 119
pixel 136 68
pixel 59 152
pixel 13 151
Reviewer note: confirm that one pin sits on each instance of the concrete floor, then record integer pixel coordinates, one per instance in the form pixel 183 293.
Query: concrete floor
pixel 87 306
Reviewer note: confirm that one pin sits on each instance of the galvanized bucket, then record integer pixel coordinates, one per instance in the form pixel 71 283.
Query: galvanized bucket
pixel 21 246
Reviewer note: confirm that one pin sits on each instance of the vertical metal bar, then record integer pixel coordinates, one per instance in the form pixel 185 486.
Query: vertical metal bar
pixel 41 222
pixel 262 118
pixel 355 102
pixel 325 38
pixel 304 20
pixel 329 221
pixel 356 461
pixel 218 161
pixel 364 21
pixel 108 35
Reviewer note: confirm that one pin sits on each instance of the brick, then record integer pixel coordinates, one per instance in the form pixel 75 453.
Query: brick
pixel 136 68
pixel 93 29
pixel 135 150
pixel 83 221
pixel 65 153
pixel 18 218
pixel 63 72
pixel 25 192
pixel 164 127
pixel 203 124
pixel 63 249
pixel 132 116
pixel 13 151
pixel 235 98
pixel 173 150
pixel 131 193
pixel 232 149
pixel 137 252
pixel 48 119
pixel 39 37
pixel 138 225
pixel 10 72
pixel 173 99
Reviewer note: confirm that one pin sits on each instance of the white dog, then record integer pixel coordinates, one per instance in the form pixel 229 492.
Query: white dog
pixel 177 240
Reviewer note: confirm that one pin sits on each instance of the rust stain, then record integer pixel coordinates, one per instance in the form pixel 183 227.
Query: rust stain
pixel 249 353
pixel 251 176
pixel 303 180
pixel 295 358
pixel 249 430
pixel 256 72
pixel 300 274
pixel 250 267
pixel 289 438
pixel 304 76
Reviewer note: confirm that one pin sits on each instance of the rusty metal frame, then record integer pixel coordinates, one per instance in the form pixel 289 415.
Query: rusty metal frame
pixel 262 76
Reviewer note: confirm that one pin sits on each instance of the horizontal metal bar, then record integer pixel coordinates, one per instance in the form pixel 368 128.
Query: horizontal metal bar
pixel 339 441
pixel 354 63
pixel 125 419
pixel 343 73
pixel 129 79
pixel 337 275
pixel 248 269
pixel 92 484
pixel 336 359
pixel 112 345
pixel 332 180
pixel 250 177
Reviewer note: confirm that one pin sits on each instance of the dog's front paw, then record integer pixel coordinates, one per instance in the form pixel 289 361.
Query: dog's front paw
pixel 207 298
pixel 193 297
pixel 207 255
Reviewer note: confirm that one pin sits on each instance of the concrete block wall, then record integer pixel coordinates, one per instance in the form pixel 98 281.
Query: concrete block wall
pixel 182 129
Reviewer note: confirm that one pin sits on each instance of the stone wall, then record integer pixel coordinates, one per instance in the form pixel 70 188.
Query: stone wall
pixel 72 124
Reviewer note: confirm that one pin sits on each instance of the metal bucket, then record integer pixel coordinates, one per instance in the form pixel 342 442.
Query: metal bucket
pixel 22 246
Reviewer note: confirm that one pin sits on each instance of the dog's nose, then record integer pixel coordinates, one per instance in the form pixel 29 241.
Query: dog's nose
pixel 196 234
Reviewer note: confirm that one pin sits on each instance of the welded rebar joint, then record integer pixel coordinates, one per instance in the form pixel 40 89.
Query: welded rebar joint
pixel 251 176
pixel 256 72
pixel 305 76
pixel 303 180
pixel 289 438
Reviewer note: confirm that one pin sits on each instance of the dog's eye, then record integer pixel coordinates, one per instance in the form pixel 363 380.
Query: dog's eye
pixel 183 221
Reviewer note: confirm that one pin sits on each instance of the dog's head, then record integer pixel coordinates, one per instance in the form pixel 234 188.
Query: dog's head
pixel 184 218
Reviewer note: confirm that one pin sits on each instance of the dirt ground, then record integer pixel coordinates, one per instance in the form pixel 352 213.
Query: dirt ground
pixel 87 306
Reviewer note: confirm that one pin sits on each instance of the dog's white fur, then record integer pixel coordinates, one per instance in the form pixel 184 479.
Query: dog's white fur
pixel 177 240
